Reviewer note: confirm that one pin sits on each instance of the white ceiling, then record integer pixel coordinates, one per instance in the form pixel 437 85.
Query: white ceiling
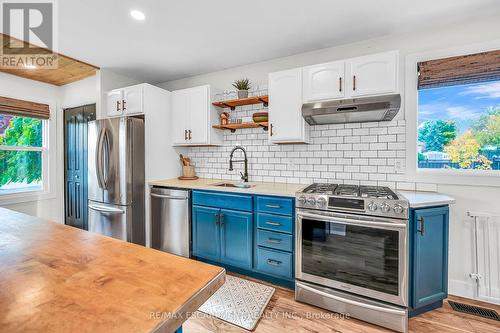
pixel 182 38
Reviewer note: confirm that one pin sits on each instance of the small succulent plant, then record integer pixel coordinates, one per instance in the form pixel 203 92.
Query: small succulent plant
pixel 242 84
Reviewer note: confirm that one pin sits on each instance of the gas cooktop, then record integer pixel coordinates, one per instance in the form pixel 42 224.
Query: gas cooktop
pixel 365 199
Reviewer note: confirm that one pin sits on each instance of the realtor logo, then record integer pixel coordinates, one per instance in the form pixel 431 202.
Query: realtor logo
pixel 28 33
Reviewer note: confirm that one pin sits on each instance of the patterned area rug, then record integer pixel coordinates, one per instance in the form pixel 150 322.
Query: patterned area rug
pixel 239 302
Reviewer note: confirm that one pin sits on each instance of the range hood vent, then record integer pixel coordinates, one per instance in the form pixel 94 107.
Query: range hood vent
pixel 356 110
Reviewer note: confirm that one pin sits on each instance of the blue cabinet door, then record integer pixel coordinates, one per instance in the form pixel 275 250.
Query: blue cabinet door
pixel 206 233
pixel 429 260
pixel 236 230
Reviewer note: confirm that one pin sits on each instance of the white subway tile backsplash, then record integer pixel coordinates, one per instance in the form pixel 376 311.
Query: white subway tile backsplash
pixel 356 153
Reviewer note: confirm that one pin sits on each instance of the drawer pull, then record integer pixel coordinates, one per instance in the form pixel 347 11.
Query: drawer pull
pixel 273 241
pixel 274 223
pixel 273 262
pixel 273 206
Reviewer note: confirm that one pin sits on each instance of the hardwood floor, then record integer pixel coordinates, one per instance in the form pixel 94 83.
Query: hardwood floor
pixel 283 314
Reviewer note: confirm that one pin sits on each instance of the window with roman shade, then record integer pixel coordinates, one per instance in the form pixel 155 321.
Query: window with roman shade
pixel 22 145
pixel 459 112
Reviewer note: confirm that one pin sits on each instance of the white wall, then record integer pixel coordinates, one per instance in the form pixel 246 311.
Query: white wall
pixel 469 198
pixel 79 93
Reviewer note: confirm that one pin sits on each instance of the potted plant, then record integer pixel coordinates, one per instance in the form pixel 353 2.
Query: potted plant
pixel 243 85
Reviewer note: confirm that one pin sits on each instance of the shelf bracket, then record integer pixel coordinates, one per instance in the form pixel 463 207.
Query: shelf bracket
pixel 232 130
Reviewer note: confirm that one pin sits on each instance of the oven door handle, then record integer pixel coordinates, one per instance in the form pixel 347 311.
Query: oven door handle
pixel 373 224
pixel 352 302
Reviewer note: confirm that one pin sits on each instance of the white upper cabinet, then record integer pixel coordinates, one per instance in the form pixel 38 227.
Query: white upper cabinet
pixel 286 124
pixel 125 101
pixel 133 98
pixel 323 81
pixel 370 75
pixel 374 74
pixel 114 103
pixel 193 116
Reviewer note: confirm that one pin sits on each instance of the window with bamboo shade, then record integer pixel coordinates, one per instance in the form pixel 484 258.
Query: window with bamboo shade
pixel 22 146
pixel 459 112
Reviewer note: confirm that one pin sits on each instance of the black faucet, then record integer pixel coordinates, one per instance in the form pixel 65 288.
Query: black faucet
pixel 244 176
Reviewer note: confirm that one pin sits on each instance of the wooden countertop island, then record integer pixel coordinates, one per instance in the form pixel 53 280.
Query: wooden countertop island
pixel 55 278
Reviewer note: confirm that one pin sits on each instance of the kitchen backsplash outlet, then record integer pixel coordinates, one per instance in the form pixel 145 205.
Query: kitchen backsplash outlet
pixel 355 153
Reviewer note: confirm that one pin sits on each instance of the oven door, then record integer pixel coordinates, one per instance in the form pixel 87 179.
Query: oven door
pixel 358 254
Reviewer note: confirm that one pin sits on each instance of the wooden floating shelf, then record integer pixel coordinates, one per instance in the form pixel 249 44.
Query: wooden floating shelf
pixel 233 103
pixel 234 127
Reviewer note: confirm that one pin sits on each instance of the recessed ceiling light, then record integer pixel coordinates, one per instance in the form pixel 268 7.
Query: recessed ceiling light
pixel 29 66
pixel 137 15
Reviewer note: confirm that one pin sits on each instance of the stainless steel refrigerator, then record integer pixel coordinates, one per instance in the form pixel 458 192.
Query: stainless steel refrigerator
pixel 116 178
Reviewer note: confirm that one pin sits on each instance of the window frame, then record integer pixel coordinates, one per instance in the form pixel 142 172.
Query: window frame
pixel 48 162
pixel 438 176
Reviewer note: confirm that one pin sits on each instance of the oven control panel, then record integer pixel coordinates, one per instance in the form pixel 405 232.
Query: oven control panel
pixel 367 206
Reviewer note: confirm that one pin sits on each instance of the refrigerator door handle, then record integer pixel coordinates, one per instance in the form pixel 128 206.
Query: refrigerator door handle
pixel 106 209
pixel 98 158
pixel 105 158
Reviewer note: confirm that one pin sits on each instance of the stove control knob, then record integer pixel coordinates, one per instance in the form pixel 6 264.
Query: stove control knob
pixel 302 200
pixel 372 206
pixel 398 209
pixel 321 202
pixel 385 208
pixel 311 201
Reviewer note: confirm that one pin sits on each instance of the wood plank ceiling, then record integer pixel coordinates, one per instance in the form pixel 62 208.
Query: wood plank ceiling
pixel 68 69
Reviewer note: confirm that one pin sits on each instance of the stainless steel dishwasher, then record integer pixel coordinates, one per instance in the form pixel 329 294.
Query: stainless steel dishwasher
pixel 170 221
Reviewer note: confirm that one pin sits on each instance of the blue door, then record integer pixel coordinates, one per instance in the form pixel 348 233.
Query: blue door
pixel 236 238
pixel 429 235
pixel 206 234
pixel 75 161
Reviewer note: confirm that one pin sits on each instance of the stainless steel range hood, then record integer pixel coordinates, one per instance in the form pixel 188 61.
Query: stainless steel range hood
pixel 356 110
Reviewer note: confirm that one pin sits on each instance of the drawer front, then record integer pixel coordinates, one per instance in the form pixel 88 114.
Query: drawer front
pixel 223 200
pixel 275 222
pixel 274 240
pixel 275 205
pixel 274 262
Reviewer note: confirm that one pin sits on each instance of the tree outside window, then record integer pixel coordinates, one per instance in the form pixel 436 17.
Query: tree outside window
pixel 21 144
pixel 459 127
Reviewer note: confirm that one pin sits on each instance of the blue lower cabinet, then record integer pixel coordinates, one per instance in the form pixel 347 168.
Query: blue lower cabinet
pixel 275 240
pixel 236 238
pixel 428 258
pixel 248 234
pixel 273 262
pixel 275 222
pixel 206 232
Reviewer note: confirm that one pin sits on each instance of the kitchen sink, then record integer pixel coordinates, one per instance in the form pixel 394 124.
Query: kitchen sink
pixel 237 185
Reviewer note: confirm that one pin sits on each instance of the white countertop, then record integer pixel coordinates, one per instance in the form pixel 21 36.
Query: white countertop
pixel 416 199
pixel 277 189
pixel 426 199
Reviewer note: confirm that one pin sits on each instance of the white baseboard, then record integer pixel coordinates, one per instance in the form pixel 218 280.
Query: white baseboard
pixel 467 289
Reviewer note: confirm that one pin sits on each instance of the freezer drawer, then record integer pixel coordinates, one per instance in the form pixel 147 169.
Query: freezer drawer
pixel 110 220
pixel 170 221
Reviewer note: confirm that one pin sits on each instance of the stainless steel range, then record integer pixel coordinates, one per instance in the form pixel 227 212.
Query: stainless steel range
pixel 351 252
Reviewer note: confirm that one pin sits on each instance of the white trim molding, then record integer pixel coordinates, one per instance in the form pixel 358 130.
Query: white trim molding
pixel 438 176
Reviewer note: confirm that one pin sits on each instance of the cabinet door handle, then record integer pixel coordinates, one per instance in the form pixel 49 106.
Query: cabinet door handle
pixel 123 105
pixel 421 222
pixel 221 219
pixel 273 262
pixel 273 206
pixel 216 218
pixel 354 83
pixel 273 241
pixel 117 105
pixel 273 223
pixel 189 134
pixel 185 134
pixel 271 130
pixel 340 84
